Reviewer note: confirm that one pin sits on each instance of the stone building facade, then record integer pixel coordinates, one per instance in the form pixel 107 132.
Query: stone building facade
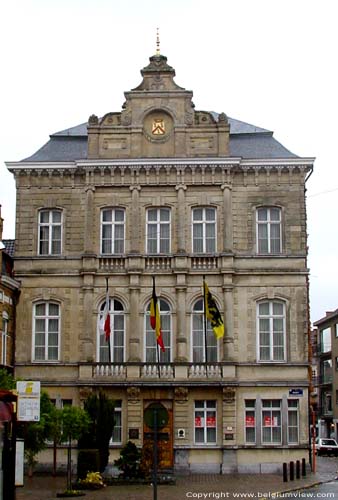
pixel 161 189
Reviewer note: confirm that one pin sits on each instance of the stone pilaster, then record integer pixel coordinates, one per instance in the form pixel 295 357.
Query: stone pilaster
pixel 134 340
pixel 88 233
pixel 181 339
pixel 135 219
pixel 228 339
pixel 227 214
pixel 87 335
pixel 181 219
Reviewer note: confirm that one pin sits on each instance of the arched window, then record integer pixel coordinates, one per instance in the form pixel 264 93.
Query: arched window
pixel 150 334
pixel 46 331
pixel 198 337
pixel 271 330
pixel 117 335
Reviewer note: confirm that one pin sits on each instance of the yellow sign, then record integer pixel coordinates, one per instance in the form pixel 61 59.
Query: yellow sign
pixel 158 127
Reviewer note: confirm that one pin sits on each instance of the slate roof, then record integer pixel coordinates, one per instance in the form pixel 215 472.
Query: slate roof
pixel 9 247
pixel 246 141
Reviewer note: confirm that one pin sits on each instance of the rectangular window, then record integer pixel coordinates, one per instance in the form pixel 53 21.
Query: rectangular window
pixel 117 431
pixel 336 329
pixel 271 421
pixel 4 339
pixel 326 371
pixel 250 421
pixel 205 422
pixel 158 230
pixel 293 421
pixel 271 331
pixel 269 231
pixel 325 340
pixel 46 331
pixel 50 232
pixel 112 231
pixel 204 230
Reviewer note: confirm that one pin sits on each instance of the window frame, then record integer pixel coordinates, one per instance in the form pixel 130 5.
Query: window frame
pixel 271 409
pixel 250 408
pixel 114 313
pixel 4 338
pixel 159 223
pixel 113 224
pixel 271 317
pixel 117 411
pixel 204 222
pixel 205 410
pixel 167 333
pixel 46 318
pixel 50 225
pixel 269 222
pixel 293 408
pixel 212 344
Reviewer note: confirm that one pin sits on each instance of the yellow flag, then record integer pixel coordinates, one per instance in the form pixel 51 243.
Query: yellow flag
pixel 212 313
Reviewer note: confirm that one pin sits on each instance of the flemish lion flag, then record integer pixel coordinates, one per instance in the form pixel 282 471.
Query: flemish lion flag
pixel 155 320
pixel 212 313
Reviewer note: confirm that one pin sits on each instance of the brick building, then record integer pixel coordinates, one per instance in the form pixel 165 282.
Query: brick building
pixel 9 292
pixel 161 189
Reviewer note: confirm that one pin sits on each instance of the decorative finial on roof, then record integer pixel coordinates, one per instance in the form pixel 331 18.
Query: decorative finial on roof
pixel 157 42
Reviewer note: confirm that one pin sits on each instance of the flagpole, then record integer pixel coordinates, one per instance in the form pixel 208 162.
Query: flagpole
pixel 107 298
pixel 156 343
pixel 205 328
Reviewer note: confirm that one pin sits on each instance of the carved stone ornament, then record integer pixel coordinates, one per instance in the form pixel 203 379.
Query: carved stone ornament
pixel 133 393
pixel 229 394
pixel 222 118
pixel 85 392
pixel 181 393
pixel 93 120
pixel 126 118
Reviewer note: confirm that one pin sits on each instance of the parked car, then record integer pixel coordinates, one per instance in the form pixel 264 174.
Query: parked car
pixel 326 446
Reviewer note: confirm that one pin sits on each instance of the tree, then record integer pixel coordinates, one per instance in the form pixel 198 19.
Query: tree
pixel 129 461
pixel 101 412
pixel 7 381
pixel 75 422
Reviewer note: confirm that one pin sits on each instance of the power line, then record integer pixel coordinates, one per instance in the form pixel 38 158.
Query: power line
pixel 323 192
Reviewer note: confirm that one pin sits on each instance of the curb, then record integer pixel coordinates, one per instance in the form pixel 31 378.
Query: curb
pixel 304 487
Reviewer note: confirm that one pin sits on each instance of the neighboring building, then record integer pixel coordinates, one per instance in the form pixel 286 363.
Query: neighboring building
pixel 9 292
pixel 163 190
pixel 327 337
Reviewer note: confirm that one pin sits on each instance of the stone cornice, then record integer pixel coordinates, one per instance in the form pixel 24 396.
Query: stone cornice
pixel 231 163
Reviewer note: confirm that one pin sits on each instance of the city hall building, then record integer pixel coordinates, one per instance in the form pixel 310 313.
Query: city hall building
pixel 160 189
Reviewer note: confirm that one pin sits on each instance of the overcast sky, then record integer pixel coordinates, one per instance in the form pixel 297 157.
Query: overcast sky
pixel 272 63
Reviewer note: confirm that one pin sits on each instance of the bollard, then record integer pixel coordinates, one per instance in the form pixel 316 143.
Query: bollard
pixel 292 471
pixel 303 467
pixel 285 472
pixel 297 469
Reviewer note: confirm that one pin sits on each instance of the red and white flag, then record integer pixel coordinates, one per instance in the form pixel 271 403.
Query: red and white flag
pixel 105 319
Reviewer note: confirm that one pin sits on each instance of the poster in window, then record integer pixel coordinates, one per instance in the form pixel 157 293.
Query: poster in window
pixel 250 421
pixel 199 421
pixel 211 421
pixel 267 421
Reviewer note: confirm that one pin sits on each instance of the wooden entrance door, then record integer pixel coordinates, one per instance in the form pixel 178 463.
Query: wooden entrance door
pixel 164 432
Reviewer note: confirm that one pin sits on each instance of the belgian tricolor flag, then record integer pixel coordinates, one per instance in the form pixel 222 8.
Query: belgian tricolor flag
pixel 155 320
pixel 212 313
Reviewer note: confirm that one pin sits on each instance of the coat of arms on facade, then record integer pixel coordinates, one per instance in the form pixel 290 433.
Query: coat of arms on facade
pixel 158 127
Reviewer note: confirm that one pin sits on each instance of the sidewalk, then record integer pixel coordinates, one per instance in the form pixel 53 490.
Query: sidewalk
pixel 213 486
